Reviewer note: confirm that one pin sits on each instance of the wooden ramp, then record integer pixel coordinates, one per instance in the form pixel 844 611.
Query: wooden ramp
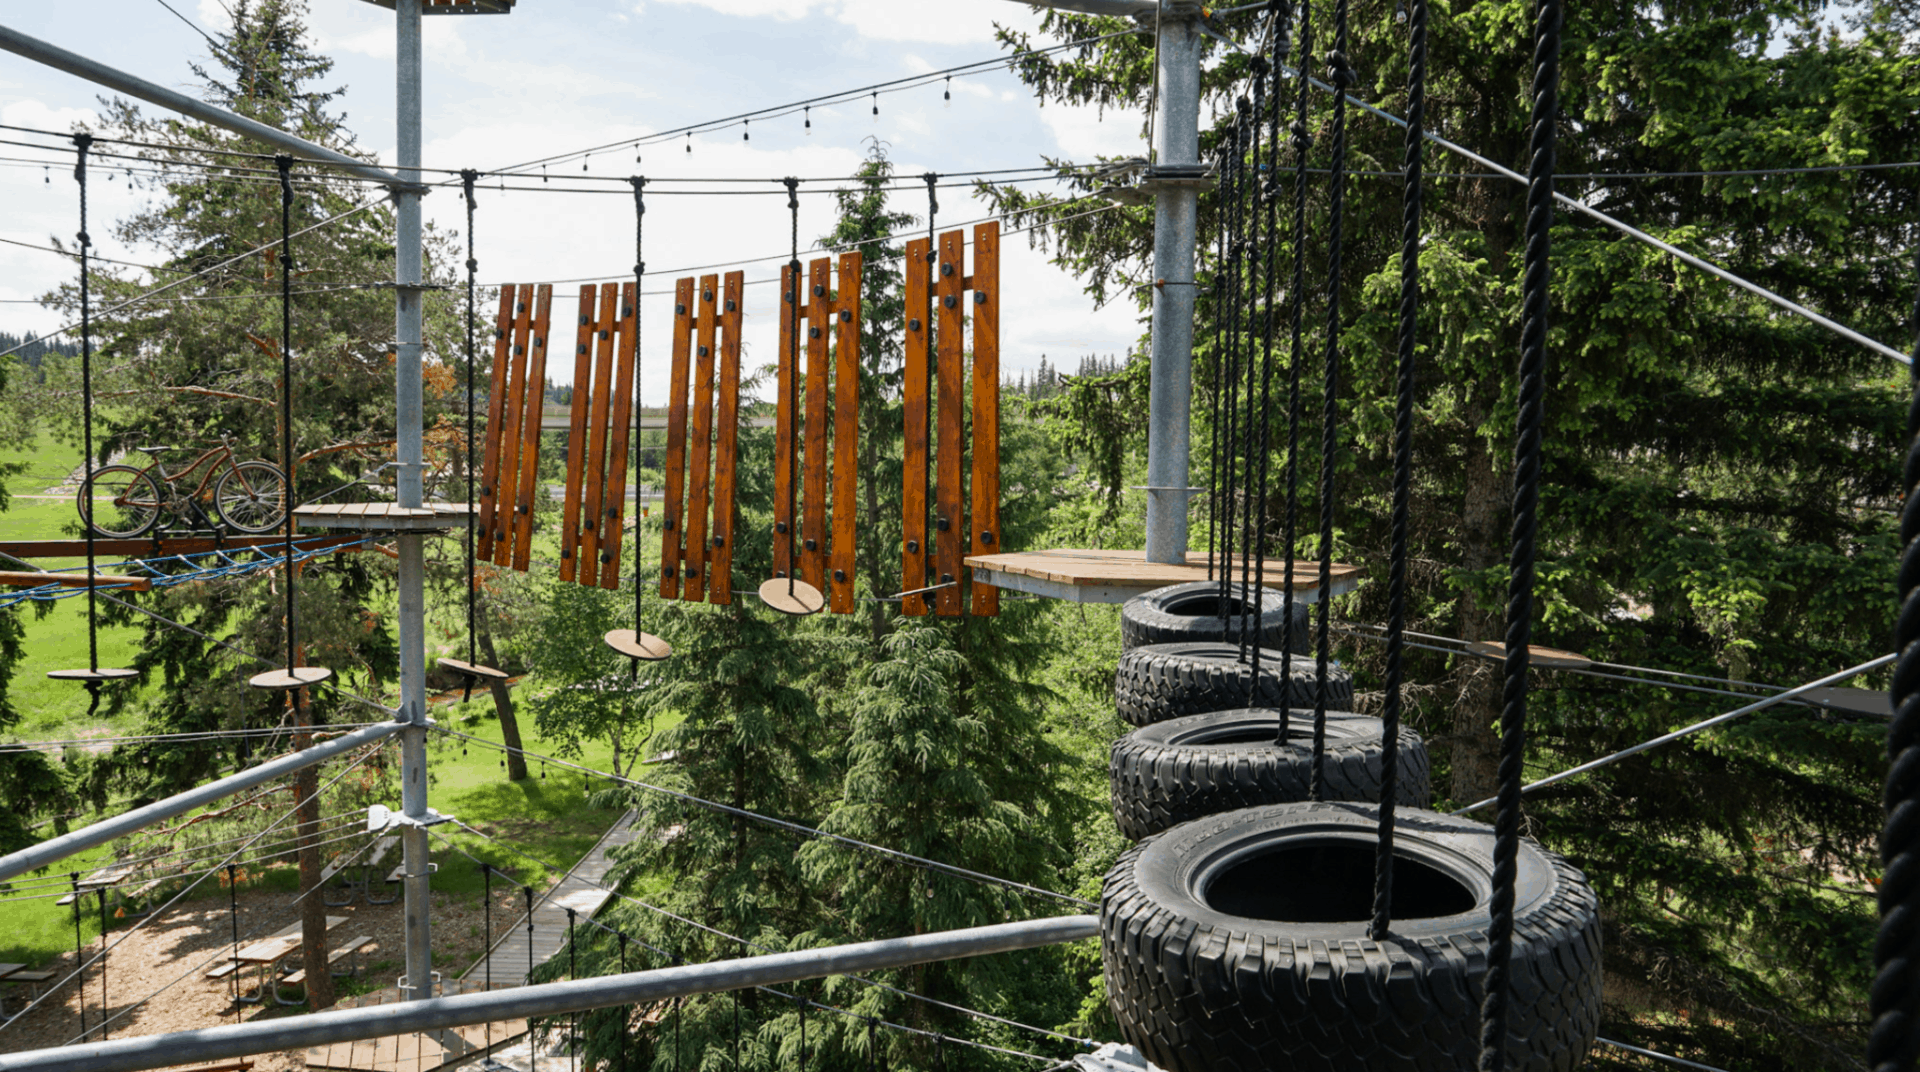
pixel 1083 576
pixel 431 1050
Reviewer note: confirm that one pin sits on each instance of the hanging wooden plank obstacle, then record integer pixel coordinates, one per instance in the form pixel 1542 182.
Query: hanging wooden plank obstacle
pixel 703 425
pixel 593 503
pixel 944 337
pixel 510 466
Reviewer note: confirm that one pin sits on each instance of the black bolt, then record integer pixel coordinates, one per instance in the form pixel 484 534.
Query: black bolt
pixel 583 321
pixel 949 302
pixel 846 316
pixel 679 308
pixel 667 524
pixel 913 547
pixel 813 333
pixel 914 324
pixel 719 541
pixel 941 524
pixel 780 526
pixel 986 536
pixel 979 297
pixel 732 305
pixel 813 545
pixel 840 576
pixel 946 269
pixel 819 291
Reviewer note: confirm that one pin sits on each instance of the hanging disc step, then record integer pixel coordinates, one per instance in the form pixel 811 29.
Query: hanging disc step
pixel 637 645
pixel 467 669
pixel 297 678
pixel 792 596
pixel 102 674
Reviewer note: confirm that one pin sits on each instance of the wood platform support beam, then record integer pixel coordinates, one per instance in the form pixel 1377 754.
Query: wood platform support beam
pixel 913 534
pixel 676 463
pixel 846 433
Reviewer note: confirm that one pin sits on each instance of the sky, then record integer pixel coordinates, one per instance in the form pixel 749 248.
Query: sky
pixel 557 76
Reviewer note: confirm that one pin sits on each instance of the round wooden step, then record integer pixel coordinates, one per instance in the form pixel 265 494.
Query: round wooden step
pixel 795 597
pixel 460 666
pixel 299 677
pixel 101 674
pixel 637 645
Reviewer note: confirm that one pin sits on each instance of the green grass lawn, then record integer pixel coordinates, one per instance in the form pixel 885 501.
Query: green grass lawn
pixel 48 459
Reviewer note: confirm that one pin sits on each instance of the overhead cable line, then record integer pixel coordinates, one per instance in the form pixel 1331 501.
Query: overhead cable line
pixel 798 828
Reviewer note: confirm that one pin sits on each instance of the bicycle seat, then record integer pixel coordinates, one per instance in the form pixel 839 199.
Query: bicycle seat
pixel 155 449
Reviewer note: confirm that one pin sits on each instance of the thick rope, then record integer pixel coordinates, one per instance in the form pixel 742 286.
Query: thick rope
pixel 639 363
pixel 1402 463
pixel 81 143
pixel 1269 179
pixel 1536 282
pixel 1895 999
pixel 1296 312
pixel 1341 75
pixel 793 383
pixel 467 179
pixel 284 164
pixel 1250 288
pixel 1216 562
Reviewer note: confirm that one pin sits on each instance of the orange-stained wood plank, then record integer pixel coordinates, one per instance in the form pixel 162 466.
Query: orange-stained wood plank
pixel 577 435
pixel 511 419
pixel 676 464
pixel 984 529
pixel 846 432
pixel 700 438
pixel 496 422
pixel 614 509
pixel 913 493
pixel 536 398
pixel 949 508
pixel 813 491
pixel 785 409
pixel 726 435
pixel 594 528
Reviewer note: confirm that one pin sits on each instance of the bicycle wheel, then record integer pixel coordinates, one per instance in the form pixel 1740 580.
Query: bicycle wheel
pixel 119 502
pixel 251 497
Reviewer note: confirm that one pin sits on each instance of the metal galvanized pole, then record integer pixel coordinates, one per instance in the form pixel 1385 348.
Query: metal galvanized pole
pixel 407 416
pixel 545 1000
pixel 1176 147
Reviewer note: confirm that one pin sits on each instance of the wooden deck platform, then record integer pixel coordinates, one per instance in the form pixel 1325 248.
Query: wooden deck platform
pixel 382 516
pixel 150 547
pixel 419 1052
pixel 1083 576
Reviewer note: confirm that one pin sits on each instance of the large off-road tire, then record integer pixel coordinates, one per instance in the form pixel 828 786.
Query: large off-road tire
pixel 1239 941
pixel 1188 768
pixel 1191 612
pixel 1162 681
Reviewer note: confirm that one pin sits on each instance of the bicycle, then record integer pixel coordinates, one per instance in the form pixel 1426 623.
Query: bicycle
pixel 249 497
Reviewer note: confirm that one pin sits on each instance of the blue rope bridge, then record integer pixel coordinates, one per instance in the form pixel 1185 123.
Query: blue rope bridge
pixel 167 570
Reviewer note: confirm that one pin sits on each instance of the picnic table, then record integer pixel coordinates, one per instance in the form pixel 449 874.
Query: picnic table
pixel 18 973
pixel 265 954
pixel 105 878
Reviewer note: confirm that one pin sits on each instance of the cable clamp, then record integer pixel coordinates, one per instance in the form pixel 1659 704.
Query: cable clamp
pixel 380 817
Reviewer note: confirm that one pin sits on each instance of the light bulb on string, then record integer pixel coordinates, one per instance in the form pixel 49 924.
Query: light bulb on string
pixel 949 91
pixel 689 141
pixel 636 152
pixel 48 174
pixel 809 120
pixel 876 103
pixel 543 173
pixel 746 134
pixel 585 162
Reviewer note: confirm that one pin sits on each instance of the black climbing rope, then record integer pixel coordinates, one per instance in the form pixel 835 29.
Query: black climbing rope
pixel 1216 563
pixel 736 1030
pixel 573 1018
pixel 284 164
pixel 870 1046
pixel 1296 311
pixel 626 1011
pixel 1895 999
pixel 467 178
pixel 486 869
pixel 1402 461
pixel 639 363
pixel 1267 96
pixel 803 1033
pixel 105 1020
pixel 793 385
pixel 81 143
pixel 1231 181
pixel 1256 413
pixel 1536 281
pixel 233 918
pixel 1341 75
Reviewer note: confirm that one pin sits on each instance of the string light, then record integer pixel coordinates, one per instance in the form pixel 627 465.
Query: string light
pixel 876 103
pixel 584 162
pixel 949 91
pixel 809 120
pixel 543 173
pixel 689 141
pixel 746 134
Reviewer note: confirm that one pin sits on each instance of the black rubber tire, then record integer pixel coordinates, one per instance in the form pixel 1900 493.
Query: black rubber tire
pixel 1188 768
pixel 138 506
pixel 1190 612
pixel 251 497
pixel 1200 986
pixel 1162 681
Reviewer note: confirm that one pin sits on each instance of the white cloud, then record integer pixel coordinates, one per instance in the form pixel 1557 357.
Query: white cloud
pixel 940 21
pixel 1083 132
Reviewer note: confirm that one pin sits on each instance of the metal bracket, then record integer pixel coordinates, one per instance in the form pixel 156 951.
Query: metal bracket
pixel 380 817
pixel 1160 176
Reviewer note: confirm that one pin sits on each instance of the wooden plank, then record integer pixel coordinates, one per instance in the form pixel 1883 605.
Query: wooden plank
pixel 676 463
pixel 913 493
pixel 614 508
pixel 813 490
pixel 496 424
pixel 577 435
pixel 700 438
pixel 593 527
pixel 846 432
pixel 511 416
pixel 530 434
pixel 949 508
pixel 726 434
pixel 983 530
pixel 36 579
pixel 785 424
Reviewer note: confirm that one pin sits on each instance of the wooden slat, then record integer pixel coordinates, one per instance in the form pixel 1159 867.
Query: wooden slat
pixel 594 529
pixel 36 579
pixel 676 464
pixel 726 435
pixel 614 507
pixel 913 493
pixel 949 508
pixel 536 397
pixel 577 435
pixel 846 432
pixel 161 548
pixel 496 424
pixel 785 425
pixel 700 438
pixel 983 530
pixel 813 491
pixel 511 418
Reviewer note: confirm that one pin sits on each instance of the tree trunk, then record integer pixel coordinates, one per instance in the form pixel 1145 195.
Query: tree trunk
pixel 313 908
pixel 503 705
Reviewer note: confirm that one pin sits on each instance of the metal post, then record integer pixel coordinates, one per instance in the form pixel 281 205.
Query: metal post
pixel 1175 178
pixel 407 417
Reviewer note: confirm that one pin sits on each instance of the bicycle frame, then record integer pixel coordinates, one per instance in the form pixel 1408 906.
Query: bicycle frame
pixel 169 480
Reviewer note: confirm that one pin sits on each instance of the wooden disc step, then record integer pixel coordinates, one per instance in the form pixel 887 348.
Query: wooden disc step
pixel 299 677
pixel 638 645
pixel 791 596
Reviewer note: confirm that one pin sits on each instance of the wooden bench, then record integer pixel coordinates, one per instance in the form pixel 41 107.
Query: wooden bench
pixel 347 950
pixel 224 970
pixel 33 979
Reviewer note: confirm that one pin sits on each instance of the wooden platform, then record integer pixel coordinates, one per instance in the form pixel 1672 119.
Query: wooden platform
pixel 580 890
pixel 383 517
pixel 420 1052
pixel 164 546
pixel 1116 576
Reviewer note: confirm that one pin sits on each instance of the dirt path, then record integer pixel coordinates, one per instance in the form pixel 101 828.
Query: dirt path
pixel 200 932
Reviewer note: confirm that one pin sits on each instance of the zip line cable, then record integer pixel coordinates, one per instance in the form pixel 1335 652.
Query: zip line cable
pixel 688 798
pixel 745 943
pixel 38 889
pixel 189 888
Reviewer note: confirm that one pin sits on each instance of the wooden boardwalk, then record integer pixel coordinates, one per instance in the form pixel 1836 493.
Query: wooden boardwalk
pixel 580 891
